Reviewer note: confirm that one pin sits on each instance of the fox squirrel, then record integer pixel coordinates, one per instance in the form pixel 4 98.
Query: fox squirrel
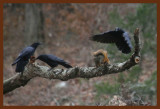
pixel 100 57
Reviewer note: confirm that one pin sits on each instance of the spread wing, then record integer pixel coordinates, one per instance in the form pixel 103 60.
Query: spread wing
pixel 127 39
pixel 119 37
pixel 124 43
pixel 106 37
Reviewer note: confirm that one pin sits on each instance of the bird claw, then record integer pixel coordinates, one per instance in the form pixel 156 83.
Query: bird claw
pixel 32 59
pixel 34 64
pixel 21 74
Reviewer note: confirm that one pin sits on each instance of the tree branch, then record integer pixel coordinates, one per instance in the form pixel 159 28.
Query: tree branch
pixel 34 70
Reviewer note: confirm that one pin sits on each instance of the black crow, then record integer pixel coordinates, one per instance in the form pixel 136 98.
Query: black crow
pixel 118 36
pixel 53 61
pixel 24 56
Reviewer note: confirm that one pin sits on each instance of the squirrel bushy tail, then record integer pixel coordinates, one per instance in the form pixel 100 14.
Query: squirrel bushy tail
pixel 100 57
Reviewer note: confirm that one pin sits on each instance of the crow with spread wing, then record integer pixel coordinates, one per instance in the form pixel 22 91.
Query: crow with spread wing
pixel 53 61
pixel 24 56
pixel 118 36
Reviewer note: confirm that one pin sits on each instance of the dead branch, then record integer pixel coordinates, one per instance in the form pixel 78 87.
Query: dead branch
pixel 33 70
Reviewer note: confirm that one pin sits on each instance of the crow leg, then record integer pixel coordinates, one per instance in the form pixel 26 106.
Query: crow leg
pixel 32 59
pixel 21 74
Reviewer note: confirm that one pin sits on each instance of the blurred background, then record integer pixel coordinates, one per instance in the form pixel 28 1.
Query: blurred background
pixel 64 30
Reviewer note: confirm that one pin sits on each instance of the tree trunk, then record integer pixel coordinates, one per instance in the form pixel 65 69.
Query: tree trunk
pixel 33 23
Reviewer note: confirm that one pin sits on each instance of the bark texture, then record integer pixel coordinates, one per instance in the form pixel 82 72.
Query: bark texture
pixel 35 70
pixel 34 23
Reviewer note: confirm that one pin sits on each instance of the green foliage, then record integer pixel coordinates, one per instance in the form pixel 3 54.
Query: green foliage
pixel 132 77
pixel 107 88
pixel 144 18
pixel 134 74
pixel 148 88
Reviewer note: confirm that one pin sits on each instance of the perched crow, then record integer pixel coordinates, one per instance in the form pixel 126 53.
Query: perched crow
pixel 118 36
pixel 53 61
pixel 24 56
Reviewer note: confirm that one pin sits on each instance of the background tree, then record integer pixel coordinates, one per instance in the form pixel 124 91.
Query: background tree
pixel 34 23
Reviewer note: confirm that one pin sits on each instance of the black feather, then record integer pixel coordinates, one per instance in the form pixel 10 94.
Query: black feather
pixel 21 65
pixel 118 36
pixel 53 61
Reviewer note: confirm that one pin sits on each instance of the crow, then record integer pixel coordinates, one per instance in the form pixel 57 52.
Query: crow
pixel 53 61
pixel 117 36
pixel 24 56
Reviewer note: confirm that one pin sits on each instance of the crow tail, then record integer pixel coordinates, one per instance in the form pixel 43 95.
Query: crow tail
pixel 21 66
pixel 67 65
